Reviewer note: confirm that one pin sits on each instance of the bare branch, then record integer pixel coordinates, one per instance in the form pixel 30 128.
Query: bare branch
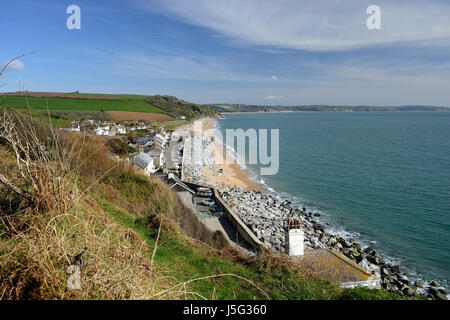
pixel 14 59
pixel 9 185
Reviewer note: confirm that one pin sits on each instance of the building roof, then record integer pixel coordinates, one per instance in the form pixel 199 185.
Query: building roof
pixel 142 160
pixel 153 150
pixel 177 182
pixel 146 139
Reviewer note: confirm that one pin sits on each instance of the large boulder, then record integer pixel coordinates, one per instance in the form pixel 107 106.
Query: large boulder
pixel 345 243
pixel 385 271
pixel 375 259
pixel 436 294
pixel 357 246
pixel 409 291
pixel 331 241
pixel 394 269
pixel 364 264
pixel 443 291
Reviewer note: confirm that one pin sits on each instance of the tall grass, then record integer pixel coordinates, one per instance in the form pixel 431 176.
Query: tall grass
pixel 57 219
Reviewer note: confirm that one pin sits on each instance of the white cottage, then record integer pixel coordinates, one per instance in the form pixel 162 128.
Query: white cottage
pixel 144 162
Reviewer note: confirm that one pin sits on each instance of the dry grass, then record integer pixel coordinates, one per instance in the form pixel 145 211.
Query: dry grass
pixel 149 196
pixel 41 235
pixel 116 263
pixel 39 238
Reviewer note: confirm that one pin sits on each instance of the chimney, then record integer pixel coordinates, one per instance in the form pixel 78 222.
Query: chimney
pixel 294 238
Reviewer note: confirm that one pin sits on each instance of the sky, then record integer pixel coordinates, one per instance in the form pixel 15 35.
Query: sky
pixel 278 52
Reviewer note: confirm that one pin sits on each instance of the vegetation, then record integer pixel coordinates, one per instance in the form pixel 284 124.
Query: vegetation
pixel 173 124
pixel 62 194
pixel 119 146
pixel 75 104
pixel 177 107
pixel 82 106
pixel 124 96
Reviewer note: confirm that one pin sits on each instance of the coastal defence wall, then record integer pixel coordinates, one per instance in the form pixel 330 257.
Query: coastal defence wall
pixel 240 226
pixel 243 230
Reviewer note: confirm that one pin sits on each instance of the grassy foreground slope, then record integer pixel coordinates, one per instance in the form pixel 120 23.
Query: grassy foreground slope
pixel 141 243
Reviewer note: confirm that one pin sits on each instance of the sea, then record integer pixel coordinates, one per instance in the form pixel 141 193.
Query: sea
pixel 381 178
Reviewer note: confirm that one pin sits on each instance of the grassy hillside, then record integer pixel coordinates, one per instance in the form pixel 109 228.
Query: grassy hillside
pixel 177 107
pixel 123 96
pixel 77 105
pixel 141 242
pixel 92 105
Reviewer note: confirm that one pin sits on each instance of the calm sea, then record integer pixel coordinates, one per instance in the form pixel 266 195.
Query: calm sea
pixel 383 178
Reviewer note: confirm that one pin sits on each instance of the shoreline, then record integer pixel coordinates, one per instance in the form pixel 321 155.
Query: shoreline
pixel 225 174
pixel 263 211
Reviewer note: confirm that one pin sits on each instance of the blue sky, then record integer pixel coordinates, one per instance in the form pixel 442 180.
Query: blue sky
pixel 287 52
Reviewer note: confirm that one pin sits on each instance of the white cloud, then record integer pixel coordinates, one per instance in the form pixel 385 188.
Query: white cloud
pixel 273 97
pixel 13 66
pixel 314 25
pixel 274 78
pixel 178 65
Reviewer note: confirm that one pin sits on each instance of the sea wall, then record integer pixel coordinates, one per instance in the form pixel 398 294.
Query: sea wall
pixel 240 226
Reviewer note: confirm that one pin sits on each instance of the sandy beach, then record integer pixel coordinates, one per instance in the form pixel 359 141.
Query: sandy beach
pixel 226 174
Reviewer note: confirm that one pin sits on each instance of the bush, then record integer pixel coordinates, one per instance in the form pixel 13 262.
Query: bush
pixel 119 147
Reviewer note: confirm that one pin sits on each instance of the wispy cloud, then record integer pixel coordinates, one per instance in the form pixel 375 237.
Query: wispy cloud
pixel 273 97
pixel 187 66
pixel 13 66
pixel 314 25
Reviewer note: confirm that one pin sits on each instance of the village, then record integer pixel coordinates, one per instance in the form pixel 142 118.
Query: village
pixel 147 143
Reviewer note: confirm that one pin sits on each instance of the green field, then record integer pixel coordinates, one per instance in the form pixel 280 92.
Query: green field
pixel 39 104
pixel 124 96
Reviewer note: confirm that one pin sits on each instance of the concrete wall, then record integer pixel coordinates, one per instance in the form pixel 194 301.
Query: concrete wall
pixel 240 226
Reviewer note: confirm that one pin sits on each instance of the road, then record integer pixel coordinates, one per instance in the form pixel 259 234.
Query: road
pixel 173 155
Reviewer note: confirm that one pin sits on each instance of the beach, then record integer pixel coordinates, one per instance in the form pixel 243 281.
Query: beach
pixel 220 174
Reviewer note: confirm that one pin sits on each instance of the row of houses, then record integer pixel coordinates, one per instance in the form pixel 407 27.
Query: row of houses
pixel 106 128
pixel 151 149
pixel 110 130
pixel 155 138
pixel 149 157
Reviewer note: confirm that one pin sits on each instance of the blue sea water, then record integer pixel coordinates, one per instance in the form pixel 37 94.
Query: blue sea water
pixel 381 177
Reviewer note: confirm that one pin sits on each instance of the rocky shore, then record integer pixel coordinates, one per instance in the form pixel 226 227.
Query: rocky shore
pixel 264 214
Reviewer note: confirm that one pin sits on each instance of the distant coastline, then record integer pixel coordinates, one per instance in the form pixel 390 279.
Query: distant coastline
pixel 243 108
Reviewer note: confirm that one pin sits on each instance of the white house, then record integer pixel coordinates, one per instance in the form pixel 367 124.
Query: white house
pixel 157 154
pixel 161 140
pixel 145 163
pixel 138 127
pixel 104 131
pixel 120 129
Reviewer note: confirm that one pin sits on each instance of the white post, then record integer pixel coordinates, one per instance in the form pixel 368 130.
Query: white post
pixel 295 240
